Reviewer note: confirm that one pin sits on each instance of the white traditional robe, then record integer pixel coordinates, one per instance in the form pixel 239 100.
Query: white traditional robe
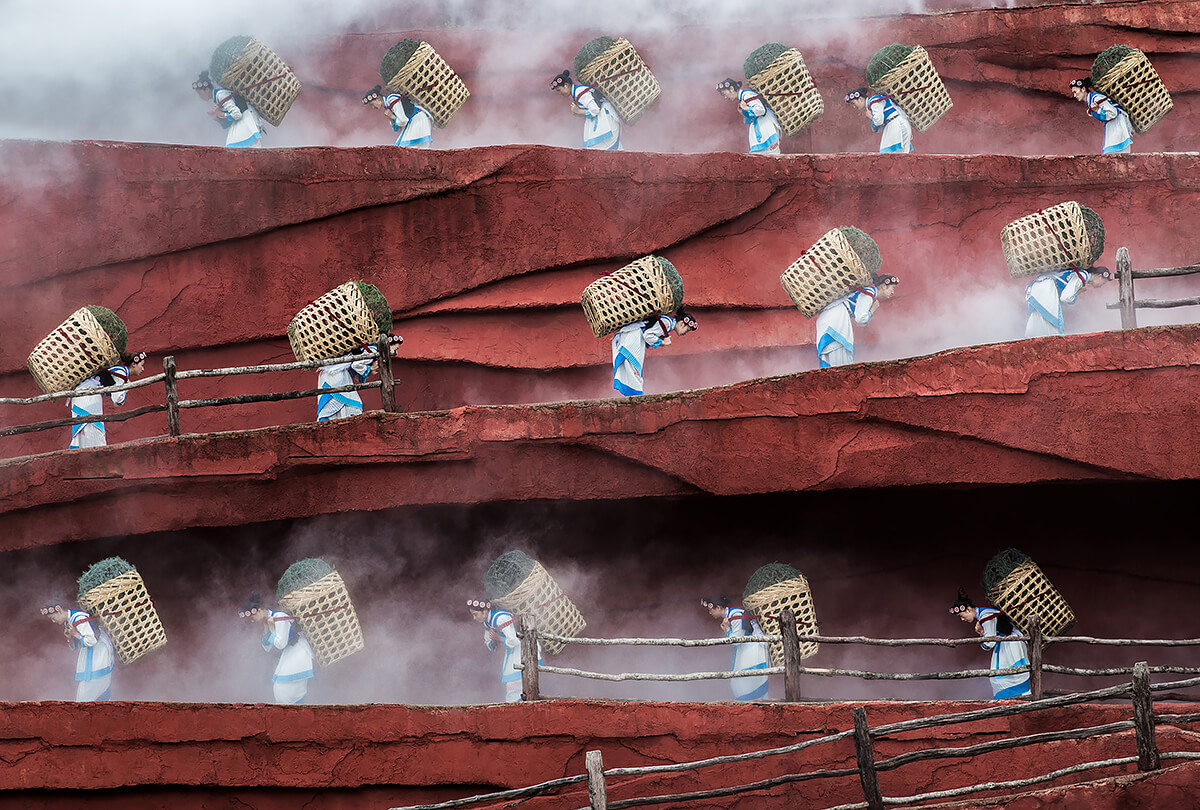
pixel 346 403
pixel 761 123
pixel 601 124
pixel 747 657
pixel 415 130
pixel 94 666
pixel 1004 654
pixel 629 352
pixel 888 118
pixel 1118 129
pixel 835 327
pixel 92 434
pixel 295 667
pixel 505 624
pixel 245 129
pixel 1046 294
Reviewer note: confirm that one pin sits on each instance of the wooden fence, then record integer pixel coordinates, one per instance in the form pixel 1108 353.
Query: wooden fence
pixel 172 405
pixel 1128 304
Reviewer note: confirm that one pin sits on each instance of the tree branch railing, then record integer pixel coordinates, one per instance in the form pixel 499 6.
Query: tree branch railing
pixel 1129 304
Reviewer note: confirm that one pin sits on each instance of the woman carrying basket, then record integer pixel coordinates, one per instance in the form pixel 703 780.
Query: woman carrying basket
pixel 886 117
pixel 748 656
pixel 1118 130
pixel 835 323
pixel 1047 293
pixel 1005 654
pixel 92 434
pixel 499 627
pixel 343 404
pixel 231 111
pixel 601 124
pixel 413 122
pixel 295 667
pixel 629 346
pixel 759 118
pixel 94 665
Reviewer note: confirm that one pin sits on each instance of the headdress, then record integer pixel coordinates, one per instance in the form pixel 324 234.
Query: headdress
pixel 1077 83
pixel 729 84
pixel 372 94
pixel 711 602
pixel 479 604
pixel 560 80
pixel 684 316
pixel 252 605
pixel 963 603
pixel 887 279
pixel 51 605
pixel 203 82
pixel 858 92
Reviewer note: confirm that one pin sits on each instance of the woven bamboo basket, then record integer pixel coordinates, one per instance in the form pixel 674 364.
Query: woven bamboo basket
pixel 788 89
pixel 332 325
pixel 430 82
pixel 123 606
pixel 1025 591
pixel 624 79
pixel 768 603
pixel 1052 239
pixel 327 618
pixel 917 88
pixel 1134 84
pixel 636 291
pixel 76 350
pixel 264 80
pixel 540 598
pixel 824 273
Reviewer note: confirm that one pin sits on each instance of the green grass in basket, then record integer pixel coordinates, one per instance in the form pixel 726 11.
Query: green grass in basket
pixel 1000 566
pixel 761 57
pixel 377 305
pixel 1095 232
pixel 885 59
pixel 301 574
pixel 674 280
pixel 101 572
pixel 225 55
pixel 112 325
pixel 395 58
pixel 768 575
pixel 1108 59
pixel 865 247
pixel 508 571
pixel 590 51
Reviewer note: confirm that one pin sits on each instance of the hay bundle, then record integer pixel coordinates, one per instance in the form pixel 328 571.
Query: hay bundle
pixel 1014 584
pixel 313 592
pixel 1067 235
pixel 415 69
pixel 93 338
pixel 251 69
pixel 351 315
pixel 623 78
pixel 907 75
pixel 113 592
pixel 786 86
pixel 1126 75
pixel 830 269
pixel 519 584
pixel 649 286
pixel 770 590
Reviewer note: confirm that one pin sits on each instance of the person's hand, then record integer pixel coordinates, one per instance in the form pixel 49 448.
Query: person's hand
pixel 725 624
pixel 666 341
pixel 978 629
pixel 577 110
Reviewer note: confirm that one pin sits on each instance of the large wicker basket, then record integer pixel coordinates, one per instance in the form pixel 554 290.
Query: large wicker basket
pixel 1134 84
pixel 76 350
pixel 327 618
pixel 332 325
pixel 1026 591
pixel 789 91
pixel 768 603
pixel 431 83
pixel 636 291
pixel 264 80
pixel 1051 239
pixel 540 598
pixel 917 88
pixel 624 79
pixel 127 613
pixel 824 273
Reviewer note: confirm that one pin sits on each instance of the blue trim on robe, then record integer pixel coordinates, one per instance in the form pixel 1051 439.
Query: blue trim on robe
pixel 299 676
pixel 626 356
pixel 896 147
pixel 341 397
pixel 1016 690
pixel 828 337
pixel 1058 323
pixel 1120 147
pixel 587 142
pixel 105 695
pixel 247 142
pixel 77 411
pixel 417 142
pixel 760 692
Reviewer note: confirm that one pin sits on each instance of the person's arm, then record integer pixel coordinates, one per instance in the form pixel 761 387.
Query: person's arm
pixel 875 112
pixel 228 106
pixel 508 634
pixel 279 631
pixel 1102 109
pixel 361 368
pixel 864 306
pixel 1073 286
pixel 87 636
pixel 121 375
pixel 754 106
pixel 987 628
pixel 586 101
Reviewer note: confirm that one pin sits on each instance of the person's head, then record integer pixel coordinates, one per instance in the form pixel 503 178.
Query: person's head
pixel 374 97
pixel 252 609
pixel 963 607
pixel 685 322
pixel 203 86
pixel 562 83
pixel 885 286
pixel 1080 87
pixel 55 611
pixel 1099 276
pixel 857 98
pixel 715 605
pixel 729 88
pixel 479 609
pixel 136 363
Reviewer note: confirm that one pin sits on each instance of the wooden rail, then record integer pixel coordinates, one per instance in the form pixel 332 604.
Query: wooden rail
pixel 1129 304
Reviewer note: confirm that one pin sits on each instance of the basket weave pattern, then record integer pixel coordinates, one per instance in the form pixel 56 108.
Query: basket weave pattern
pixel 624 79
pixel 768 603
pixel 70 354
pixel 332 325
pixel 636 291
pixel 824 273
pixel 265 80
pixel 788 89
pixel 1026 591
pixel 540 598
pixel 1048 240
pixel 327 618
pixel 124 608
pixel 916 87
pixel 1134 84
pixel 431 83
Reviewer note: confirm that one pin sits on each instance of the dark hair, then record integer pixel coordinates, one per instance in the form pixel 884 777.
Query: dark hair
pixel 861 91
pixel 723 602
pixel 253 602
pixel 963 600
pixel 1088 84
pixel 57 601
pixel 1004 625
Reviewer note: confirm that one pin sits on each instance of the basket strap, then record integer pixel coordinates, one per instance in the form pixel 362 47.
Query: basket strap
pixel 816 264
pixel 267 81
pixel 1061 246
pixel 433 85
pixel 1027 600
pixel 287 618
pixel 1137 84
pixel 644 297
pixel 82 347
pixel 776 618
pixel 805 91
pixel 615 76
pixel 911 90
pixel 562 595
pixel 131 607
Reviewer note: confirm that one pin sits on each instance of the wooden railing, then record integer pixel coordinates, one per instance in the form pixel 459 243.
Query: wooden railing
pixel 172 405
pixel 1128 304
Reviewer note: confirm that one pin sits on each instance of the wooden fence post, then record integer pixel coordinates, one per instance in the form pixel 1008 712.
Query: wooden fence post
pixel 1035 656
pixel 387 383
pixel 597 790
pixel 1125 279
pixel 1143 719
pixel 791 655
pixel 529 659
pixel 172 396
pixel 864 751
